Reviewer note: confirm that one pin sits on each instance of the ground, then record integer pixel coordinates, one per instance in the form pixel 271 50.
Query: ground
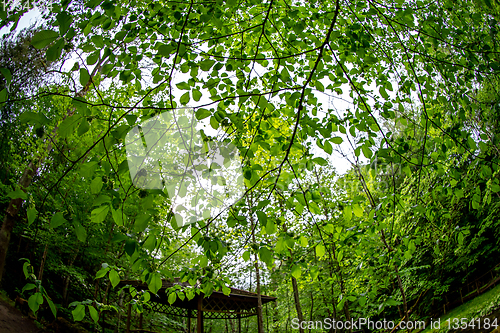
pixel 491 317
pixel 13 321
pixel 483 306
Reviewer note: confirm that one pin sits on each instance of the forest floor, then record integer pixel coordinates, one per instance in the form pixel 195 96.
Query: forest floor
pixel 13 320
pixel 484 308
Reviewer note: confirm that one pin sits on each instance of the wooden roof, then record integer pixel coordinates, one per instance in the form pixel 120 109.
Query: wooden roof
pixel 238 302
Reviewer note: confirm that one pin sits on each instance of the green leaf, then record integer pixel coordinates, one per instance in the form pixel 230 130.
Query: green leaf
pixel 303 241
pixel 196 95
pixel 141 222
pixel 262 218
pixel 392 302
pixel 214 123
pixel 117 216
pixel 114 278
pixel 80 232
pixel 54 52
pixel 367 151
pixel 172 297
pixel 226 290
pixel 52 307
pixel 266 256
pixel 337 140
pixel 358 211
pixel 460 238
pixel 296 271
pixel 35 118
pixel 205 65
pixel 78 312
pixel 6 74
pixel 155 284
pixel 202 114
pixel 28 286
pixel 383 93
pixel 84 76
pixel 57 219
pixel 270 227
pixel 320 161
pixel 84 127
pixel 347 213
pixel 475 204
pixel 93 313
pixel 44 38
pixel 68 125
pixel 96 185
pixel 246 255
pixel 166 50
pixel 130 246
pixel 17 194
pixel 99 214
pixel 150 243
pixel 102 272
pixel 64 21
pixel 327 147
pixel 203 261
pixel 362 300
pixel 319 86
pixel 183 86
pixel 35 301
pixel 3 95
pixel 93 58
pixel 320 250
pixel 185 98
pixel 101 199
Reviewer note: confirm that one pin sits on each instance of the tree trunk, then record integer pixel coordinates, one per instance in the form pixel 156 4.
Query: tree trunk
pixel 15 204
pixel 42 264
pixel 120 303
pixel 312 310
pixel 67 279
pixel 9 219
pixel 65 291
pixel 260 321
pixel 297 303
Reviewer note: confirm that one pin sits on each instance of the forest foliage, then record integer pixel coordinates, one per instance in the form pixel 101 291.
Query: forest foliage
pixel 405 91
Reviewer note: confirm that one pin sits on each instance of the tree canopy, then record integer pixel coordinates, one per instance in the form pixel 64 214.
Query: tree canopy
pixel 405 91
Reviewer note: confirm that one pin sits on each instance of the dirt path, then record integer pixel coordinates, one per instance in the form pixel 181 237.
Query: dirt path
pixel 13 321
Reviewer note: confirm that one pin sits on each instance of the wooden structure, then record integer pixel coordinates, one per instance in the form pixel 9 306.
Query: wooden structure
pixel 238 304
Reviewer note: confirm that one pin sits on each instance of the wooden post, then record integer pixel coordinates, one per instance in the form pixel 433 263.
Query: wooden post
pixel 444 308
pixel 189 321
pixel 128 317
pixel 44 257
pixel 477 287
pixel 239 323
pixel 461 297
pixel 199 322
